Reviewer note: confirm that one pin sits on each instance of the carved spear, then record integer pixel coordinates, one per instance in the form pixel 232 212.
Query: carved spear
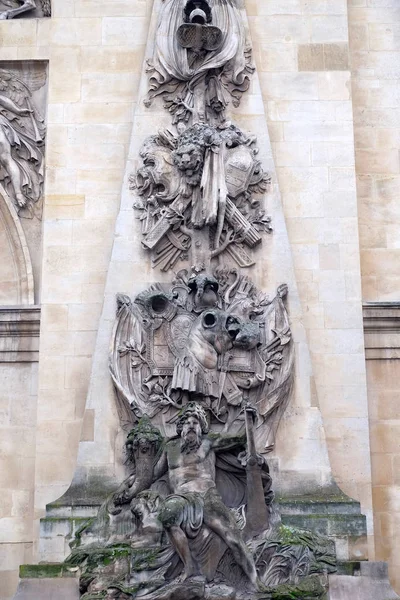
pixel 257 517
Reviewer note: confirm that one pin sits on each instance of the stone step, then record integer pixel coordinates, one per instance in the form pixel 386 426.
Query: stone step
pixel 56 533
pixel 48 581
pixel 338 517
pixel 349 532
pixel 67 511
pixel 329 525
pixel 52 582
pixel 372 584
pixel 311 505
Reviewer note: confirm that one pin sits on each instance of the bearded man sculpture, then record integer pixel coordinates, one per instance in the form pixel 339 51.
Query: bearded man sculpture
pixel 190 462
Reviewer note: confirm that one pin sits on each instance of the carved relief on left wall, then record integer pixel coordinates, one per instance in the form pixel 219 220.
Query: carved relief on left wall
pixel 13 9
pixel 23 101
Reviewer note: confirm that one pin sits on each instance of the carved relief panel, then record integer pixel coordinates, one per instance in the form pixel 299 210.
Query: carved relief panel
pixel 23 102
pixel 202 363
pixel 200 194
pixel 34 9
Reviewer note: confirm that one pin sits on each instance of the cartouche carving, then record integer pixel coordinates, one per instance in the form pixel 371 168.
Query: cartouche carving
pixel 206 178
pixel 202 58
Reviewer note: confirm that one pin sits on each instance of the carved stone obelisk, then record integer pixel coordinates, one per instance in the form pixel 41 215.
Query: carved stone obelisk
pixel 207 215
pixel 203 347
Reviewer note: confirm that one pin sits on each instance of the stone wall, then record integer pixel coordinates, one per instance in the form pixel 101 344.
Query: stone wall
pixel 19 345
pixel 95 50
pixel 18 400
pixel 301 50
pixel 375 62
pixel 382 343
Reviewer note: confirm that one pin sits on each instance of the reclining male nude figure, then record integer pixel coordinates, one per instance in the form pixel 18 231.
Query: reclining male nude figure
pixel 190 462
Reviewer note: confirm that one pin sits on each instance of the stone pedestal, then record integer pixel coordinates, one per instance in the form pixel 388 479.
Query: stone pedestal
pixel 48 589
pixel 48 582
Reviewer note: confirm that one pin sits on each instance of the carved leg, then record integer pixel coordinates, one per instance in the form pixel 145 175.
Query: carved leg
pixel 181 545
pixel 217 518
pixel 14 12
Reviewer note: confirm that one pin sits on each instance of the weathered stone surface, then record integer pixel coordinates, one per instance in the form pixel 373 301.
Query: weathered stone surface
pixel 19 334
pixel 277 30
pixel 191 590
pixel 48 589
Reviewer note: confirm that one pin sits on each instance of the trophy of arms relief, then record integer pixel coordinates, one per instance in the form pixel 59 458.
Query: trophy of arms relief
pixel 200 188
pixel 199 195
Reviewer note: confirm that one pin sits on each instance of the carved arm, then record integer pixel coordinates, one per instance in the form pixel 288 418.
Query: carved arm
pixel 161 466
pixel 12 107
pixel 137 483
pixel 14 12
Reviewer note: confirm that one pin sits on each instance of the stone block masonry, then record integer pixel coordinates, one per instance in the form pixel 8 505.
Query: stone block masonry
pixel 328 74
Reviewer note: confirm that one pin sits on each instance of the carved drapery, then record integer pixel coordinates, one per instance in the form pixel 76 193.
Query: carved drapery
pixel 22 138
pixel 178 70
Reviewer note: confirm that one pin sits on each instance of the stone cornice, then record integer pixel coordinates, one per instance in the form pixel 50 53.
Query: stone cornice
pixel 382 330
pixel 19 333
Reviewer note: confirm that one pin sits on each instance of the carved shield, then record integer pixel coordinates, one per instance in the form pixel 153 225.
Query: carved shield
pixel 192 35
pixel 178 333
pixel 239 168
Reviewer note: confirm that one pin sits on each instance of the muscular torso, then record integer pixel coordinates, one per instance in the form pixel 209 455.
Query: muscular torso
pixel 193 472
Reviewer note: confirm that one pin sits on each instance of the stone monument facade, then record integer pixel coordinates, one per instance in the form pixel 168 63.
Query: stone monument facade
pixel 212 413
pixel 202 361
pixel 207 355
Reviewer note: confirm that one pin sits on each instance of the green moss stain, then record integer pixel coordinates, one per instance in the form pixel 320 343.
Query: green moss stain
pixel 44 571
pixel 290 536
pixel 309 588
